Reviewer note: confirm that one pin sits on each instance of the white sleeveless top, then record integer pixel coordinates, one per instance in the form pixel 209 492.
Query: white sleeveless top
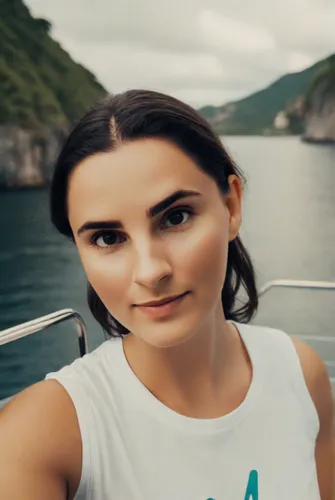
pixel 136 448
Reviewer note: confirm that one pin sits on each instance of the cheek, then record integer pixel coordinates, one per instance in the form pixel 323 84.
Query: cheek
pixel 206 259
pixel 107 275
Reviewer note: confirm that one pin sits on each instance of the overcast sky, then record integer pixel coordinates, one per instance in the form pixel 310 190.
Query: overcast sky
pixel 202 51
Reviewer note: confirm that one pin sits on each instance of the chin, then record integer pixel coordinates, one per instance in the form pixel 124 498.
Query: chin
pixel 169 334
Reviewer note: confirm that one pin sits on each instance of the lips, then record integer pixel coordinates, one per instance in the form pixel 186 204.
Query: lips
pixel 157 303
pixel 170 307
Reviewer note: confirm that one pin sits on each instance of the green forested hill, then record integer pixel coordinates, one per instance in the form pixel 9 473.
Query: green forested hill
pixel 39 82
pixel 255 114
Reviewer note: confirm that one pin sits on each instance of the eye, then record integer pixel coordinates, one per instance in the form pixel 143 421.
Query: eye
pixel 178 217
pixel 106 239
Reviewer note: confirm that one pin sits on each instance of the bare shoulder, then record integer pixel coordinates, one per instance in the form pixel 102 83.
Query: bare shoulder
pixel 316 376
pixel 40 438
pixel 318 383
pixel 313 366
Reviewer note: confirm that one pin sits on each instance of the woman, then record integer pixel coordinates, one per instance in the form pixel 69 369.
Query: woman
pixel 186 401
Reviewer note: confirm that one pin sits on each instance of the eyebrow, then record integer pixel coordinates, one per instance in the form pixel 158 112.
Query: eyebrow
pixel 151 212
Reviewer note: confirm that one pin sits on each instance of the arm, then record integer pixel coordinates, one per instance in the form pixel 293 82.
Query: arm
pixel 40 449
pixel 319 386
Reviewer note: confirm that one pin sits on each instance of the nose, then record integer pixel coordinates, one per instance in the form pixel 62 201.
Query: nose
pixel 151 265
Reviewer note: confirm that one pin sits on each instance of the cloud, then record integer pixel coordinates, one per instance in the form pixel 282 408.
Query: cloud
pixel 222 33
pixel 202 51
pixel 302 25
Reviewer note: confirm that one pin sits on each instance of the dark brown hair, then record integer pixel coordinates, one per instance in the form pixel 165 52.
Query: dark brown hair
pixel 139 114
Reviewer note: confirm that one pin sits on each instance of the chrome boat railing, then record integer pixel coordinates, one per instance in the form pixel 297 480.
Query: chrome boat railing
pixel 311 285
pixel 320 285
pixel 316 285
pixel 38 324
pixel 44 322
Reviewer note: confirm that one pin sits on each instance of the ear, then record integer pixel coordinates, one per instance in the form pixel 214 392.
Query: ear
pixel 233 202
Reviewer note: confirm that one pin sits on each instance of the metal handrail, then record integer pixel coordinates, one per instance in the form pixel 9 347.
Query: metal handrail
pixel 320 285
pixel 38 324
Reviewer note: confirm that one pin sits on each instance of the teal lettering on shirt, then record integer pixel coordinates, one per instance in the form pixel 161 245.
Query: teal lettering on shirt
pixel 252 487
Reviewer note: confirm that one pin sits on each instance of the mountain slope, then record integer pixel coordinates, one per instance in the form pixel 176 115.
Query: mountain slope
pixel 256 113
pixel 39 82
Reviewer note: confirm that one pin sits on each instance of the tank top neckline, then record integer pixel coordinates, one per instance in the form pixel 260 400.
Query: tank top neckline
pixel 144 399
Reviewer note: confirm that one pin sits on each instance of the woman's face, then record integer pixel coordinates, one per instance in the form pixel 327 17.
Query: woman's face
pixel 133 253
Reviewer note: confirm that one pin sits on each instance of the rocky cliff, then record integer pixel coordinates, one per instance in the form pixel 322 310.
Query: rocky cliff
pixel 27 157
pixel 312 114
pixel 319 116
pixel 320 123
pixel 42 91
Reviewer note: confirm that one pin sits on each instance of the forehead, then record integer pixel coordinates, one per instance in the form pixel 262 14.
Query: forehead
pixel 136 175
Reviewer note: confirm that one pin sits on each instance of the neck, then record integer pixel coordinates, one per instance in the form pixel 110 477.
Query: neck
pixel 205 377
